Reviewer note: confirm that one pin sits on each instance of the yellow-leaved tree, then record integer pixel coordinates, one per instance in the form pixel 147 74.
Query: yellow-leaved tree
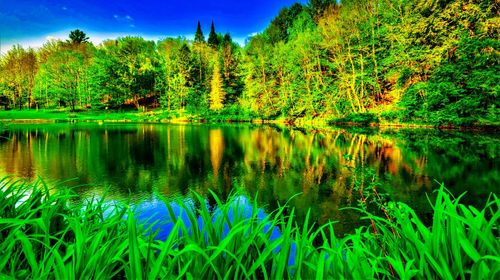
pixel 217 94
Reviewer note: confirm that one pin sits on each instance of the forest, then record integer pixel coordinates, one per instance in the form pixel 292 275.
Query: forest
pixel 405 61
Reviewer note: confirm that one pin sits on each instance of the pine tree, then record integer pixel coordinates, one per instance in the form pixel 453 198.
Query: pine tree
pixel 217 94
pixel 198 36
pixel 227 40
pixel 213 41
pixel 78 37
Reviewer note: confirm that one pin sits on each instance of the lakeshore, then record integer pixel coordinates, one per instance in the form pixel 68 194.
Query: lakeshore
pixel 161 116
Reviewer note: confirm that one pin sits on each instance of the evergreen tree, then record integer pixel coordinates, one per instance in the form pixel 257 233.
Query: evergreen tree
pixel 227 40
pixel 198 36
pixel 318 7
pixel 217 94
pixel 213 41
pixel 78 37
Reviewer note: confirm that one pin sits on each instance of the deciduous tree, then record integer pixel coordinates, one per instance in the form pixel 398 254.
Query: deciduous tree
pixel 217 94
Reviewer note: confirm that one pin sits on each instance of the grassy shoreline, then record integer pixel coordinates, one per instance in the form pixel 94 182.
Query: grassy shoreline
pixel 159 116
pixel 45 236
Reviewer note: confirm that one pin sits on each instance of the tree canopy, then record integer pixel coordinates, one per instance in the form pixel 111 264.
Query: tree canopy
pixel 213 40
pixel 198 36
pixel 78 37
pixel 402 61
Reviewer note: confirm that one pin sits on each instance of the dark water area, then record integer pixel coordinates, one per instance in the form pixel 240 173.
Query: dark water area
pixel 322 169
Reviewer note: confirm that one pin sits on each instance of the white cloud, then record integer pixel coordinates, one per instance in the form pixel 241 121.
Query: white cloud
pixel 35 43
pixel 240 41
pixel 123 19
pixel 253 34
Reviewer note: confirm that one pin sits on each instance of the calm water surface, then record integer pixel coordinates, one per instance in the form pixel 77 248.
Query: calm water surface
pixel 275 162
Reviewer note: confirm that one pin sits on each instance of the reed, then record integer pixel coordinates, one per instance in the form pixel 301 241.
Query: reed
pixel 44 235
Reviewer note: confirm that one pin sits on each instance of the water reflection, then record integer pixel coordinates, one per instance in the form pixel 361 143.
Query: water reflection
pixel 274 162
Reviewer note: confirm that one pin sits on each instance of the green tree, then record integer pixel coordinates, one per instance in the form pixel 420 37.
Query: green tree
pixel 173 79
pixel 62 72
pixel 279 28
pixel 125 71
pixel 213 40
pixel 415 60
pixel 201 57
pixel 231 61
pixel 198 36
pixel 78 37
pixel 340 32
pixel 42 92
pixel 450 48
pixel 260 95
pixel 18 69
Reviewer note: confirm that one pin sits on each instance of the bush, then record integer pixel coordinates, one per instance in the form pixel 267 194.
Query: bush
pixel 229 113
pixel 390 115
pixel 359 118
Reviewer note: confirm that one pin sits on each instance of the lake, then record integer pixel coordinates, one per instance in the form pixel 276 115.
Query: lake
pixel 322 169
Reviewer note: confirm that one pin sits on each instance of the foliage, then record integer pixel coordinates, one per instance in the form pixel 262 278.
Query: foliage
pixel 60 76
pixel 173 75
pixel 217 94
pixel 18 70
pixel 78 37
pixel 213 41
pixel 460 92
pixel 198 36
pixel 47 235
pixel 361 118
pixel 128 70
pixel 280 27
pixel 433 63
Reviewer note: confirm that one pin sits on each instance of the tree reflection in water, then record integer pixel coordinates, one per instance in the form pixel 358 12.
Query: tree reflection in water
pixel 275 162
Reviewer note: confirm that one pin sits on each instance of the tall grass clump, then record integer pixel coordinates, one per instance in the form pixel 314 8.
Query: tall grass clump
pixel 47 235
pixel 461 243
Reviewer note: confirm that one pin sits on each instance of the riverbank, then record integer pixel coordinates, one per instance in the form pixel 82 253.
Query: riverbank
pixel 160 116
pixel 52 235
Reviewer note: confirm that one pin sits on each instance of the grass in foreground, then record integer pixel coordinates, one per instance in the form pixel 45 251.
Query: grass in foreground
pixel 43 236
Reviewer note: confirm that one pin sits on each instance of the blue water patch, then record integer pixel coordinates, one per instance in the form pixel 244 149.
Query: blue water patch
pixel 154 215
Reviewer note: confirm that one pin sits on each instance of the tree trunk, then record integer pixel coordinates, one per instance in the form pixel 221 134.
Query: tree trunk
pixel 136 102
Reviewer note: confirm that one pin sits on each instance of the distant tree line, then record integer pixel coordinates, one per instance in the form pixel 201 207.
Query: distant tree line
pixel 407 60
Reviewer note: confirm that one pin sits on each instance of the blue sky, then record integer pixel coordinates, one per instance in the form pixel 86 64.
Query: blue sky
pixel 30 22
